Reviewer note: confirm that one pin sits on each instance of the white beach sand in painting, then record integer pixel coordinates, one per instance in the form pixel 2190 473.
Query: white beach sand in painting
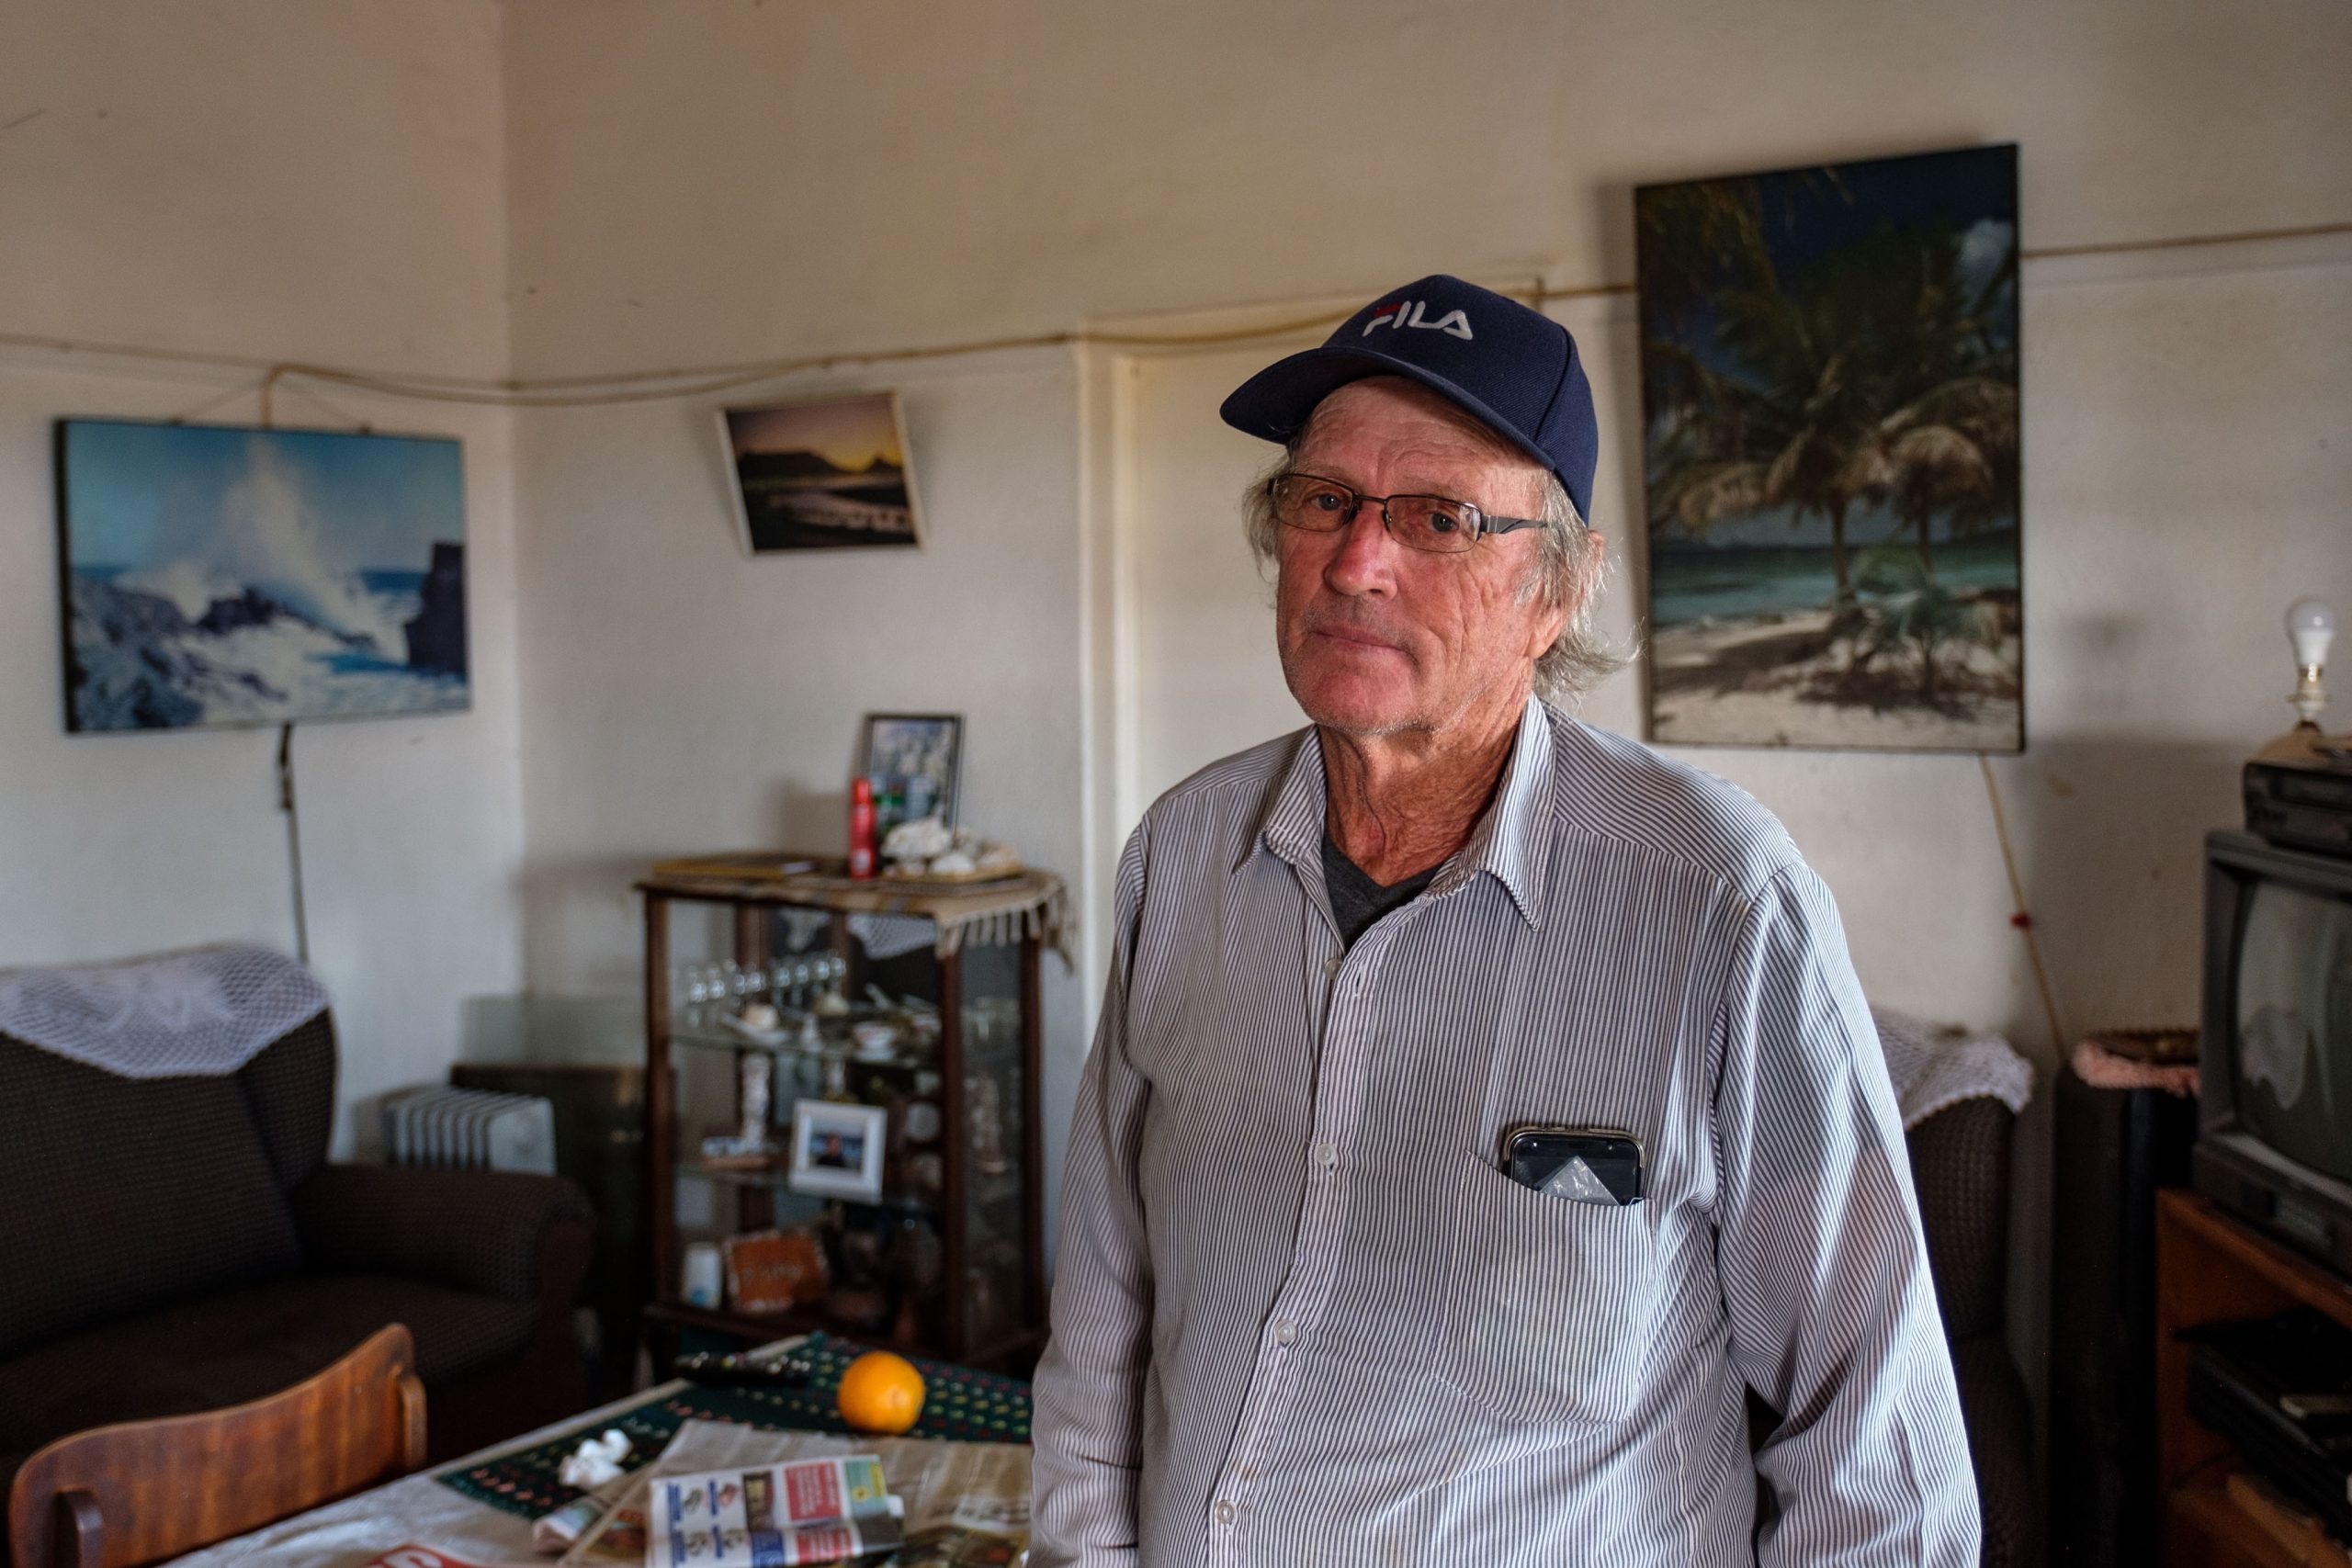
pixel 1777 680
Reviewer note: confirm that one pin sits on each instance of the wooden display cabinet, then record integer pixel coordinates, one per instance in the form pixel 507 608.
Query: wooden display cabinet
pixel 953 1246
pixel 2210 1268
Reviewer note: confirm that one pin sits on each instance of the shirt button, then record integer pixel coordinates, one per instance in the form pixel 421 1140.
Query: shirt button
pixel 1326 1154
pixel 1285 1331
pixel 1331 965
pixel 1225 1513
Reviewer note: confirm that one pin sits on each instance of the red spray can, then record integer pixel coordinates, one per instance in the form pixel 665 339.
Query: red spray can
pixel 861 827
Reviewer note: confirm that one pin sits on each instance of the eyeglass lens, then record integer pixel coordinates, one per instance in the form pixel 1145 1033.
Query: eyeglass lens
pixel 1420 522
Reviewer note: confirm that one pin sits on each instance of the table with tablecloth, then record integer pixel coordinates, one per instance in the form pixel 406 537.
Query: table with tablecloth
pixel 480 1508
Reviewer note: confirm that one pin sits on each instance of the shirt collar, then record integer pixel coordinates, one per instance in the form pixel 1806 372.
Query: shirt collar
pixel 1293 825
pixel 1508 843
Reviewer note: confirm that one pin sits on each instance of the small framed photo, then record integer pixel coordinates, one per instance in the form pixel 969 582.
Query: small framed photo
pixel 913 761
pixel 823 475
pixel 837 1149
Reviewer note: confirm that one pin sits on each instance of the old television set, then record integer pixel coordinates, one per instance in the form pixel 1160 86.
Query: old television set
pixel 2275 1121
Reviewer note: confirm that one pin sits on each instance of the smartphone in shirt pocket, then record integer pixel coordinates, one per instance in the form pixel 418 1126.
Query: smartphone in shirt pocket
pixel 1582 1164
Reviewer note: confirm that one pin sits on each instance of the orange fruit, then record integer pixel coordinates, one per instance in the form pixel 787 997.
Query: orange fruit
pixel 881 1392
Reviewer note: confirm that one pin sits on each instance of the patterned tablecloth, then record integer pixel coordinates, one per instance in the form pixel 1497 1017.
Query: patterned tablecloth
pixel 479 1509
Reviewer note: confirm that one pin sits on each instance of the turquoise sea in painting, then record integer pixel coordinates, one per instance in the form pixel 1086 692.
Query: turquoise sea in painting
pixel 1690 587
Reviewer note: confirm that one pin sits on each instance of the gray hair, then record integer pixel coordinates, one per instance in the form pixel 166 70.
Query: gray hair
pixel 1568 569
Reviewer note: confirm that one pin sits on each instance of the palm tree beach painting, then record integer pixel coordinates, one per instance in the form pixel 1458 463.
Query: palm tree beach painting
pixel 1829 390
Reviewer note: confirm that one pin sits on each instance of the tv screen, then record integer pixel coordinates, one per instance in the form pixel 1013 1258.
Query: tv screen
pixel 2292 1017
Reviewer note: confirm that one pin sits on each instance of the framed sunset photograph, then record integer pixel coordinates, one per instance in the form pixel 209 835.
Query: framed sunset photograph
pixel 822 474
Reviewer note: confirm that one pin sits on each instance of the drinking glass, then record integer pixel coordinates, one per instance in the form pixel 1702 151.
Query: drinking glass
pixel 697 992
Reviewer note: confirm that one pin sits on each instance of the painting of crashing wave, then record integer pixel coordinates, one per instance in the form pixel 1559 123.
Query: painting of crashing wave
pixel 221 576
pixel 1829 381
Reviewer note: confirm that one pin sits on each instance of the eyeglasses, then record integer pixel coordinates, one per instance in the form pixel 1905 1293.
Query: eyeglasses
pixel 1317 505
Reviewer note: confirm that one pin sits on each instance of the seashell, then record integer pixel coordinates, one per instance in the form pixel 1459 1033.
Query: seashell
pixel 917 840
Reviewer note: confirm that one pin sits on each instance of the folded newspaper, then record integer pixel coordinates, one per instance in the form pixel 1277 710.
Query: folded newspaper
pixel 966 1504
pixel 776 1515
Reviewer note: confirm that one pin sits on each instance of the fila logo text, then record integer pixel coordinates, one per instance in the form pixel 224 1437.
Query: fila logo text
pixel 1409 313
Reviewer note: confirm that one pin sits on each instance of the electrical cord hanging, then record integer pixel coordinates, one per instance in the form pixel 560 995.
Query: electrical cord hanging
pixel 2020 917
pixel 285 803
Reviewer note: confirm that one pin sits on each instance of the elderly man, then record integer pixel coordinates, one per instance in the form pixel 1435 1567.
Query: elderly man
pixel 1483 1104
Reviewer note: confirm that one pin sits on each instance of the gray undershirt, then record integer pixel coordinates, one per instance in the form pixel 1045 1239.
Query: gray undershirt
pixel 1356 899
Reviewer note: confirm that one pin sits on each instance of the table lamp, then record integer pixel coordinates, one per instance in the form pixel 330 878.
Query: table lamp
pixel 2311 627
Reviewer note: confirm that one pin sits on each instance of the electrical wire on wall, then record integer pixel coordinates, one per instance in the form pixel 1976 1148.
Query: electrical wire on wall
pixel 701 381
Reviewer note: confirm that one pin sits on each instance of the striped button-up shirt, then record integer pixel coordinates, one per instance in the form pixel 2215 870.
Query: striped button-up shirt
pixel 1303 1316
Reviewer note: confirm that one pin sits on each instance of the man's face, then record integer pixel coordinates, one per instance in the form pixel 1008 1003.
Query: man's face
pixel 1377 639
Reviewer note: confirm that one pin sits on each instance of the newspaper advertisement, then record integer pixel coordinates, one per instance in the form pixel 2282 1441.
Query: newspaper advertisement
pixel 966 1503
pixel 775 1516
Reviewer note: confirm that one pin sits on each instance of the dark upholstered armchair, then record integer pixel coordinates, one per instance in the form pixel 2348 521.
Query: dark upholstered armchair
pixel 1960 1162
pixel 175 1245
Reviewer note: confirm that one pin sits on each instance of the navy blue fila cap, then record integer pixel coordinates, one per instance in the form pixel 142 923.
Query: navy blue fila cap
pixel 1513 368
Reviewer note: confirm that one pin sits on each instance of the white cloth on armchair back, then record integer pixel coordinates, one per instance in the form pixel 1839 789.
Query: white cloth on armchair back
pixel 200 1012
pixel 1935 1067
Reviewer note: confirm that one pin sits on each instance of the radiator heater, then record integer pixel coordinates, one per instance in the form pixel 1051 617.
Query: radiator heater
pixel 471 1127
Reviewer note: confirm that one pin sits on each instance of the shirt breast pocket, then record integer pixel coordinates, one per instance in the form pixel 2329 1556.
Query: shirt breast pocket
pixel 1552 1303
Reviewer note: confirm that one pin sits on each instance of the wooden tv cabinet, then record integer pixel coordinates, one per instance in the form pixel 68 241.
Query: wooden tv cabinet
pixel 2211 1267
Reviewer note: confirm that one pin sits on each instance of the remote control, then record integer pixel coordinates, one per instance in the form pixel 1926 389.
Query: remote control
pixel 742 1372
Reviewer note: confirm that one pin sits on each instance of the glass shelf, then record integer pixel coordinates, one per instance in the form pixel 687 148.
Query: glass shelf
pixel 984 1189
pixel 780 1180
pixel 724 1040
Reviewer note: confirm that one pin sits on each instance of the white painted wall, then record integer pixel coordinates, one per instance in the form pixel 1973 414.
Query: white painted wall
pixel 280 181
pixel 707 183
pixel 258 177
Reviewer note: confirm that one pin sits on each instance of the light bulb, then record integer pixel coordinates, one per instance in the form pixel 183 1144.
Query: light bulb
pixel 2310 627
